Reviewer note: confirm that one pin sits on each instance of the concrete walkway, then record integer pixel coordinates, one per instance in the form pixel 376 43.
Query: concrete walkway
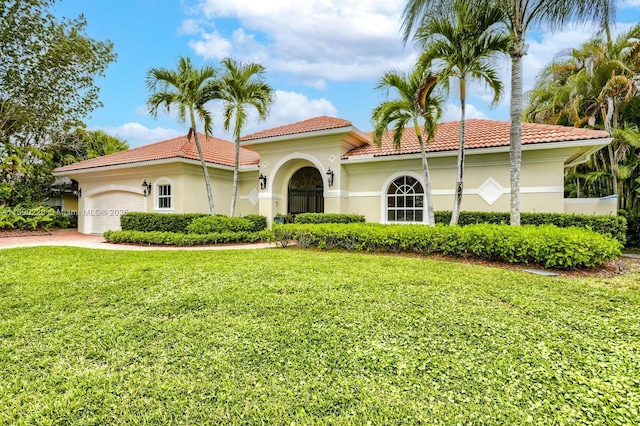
pixel 72 238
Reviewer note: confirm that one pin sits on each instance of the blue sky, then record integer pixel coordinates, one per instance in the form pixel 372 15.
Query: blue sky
pixel 323 57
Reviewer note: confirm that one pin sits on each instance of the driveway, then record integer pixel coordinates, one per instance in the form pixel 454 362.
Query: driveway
pixel 72 238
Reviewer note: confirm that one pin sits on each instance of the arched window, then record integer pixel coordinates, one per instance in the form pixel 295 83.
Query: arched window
pixel 405 200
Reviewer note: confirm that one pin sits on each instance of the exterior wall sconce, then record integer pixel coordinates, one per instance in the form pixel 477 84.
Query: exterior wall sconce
pixel 78 192
pixel 146 188
pixel 330 177
pixel 263 181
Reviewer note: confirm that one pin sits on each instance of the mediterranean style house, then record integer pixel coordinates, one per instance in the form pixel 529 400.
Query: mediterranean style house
pixel 325 164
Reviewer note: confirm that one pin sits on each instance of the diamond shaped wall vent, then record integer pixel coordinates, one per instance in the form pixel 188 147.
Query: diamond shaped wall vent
pixel 490 191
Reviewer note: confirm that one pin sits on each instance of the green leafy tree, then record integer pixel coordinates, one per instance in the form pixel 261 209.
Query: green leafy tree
pixel 83 145
pixel 187 89
pixel 462 42
pixel 48 69
pixel 242 86
pixel 520 16
pixel 415 104
pixel 100 143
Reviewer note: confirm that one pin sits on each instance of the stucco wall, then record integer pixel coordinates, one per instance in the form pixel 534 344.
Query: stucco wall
pixel 279 160
pixel 360 184
pixel 594 206
pixel 187 186
pixel 486 183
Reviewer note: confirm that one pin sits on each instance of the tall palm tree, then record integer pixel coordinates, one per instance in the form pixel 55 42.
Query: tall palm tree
pixel 520 16
pixel 597 86
pixel 415 104
pixel 242 86
pixel 186 88
pixel 463 41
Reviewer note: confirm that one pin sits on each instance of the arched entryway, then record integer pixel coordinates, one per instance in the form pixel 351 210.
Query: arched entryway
pixel 305 193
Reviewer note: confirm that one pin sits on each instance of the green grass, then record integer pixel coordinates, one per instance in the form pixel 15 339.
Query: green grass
pixel 292 336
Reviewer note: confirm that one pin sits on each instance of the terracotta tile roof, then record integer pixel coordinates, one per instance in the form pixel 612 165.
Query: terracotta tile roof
pixel 478 134
pixel 216 151
pixel 311 125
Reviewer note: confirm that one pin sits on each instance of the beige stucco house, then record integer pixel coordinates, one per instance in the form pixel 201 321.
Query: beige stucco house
pixel 325 164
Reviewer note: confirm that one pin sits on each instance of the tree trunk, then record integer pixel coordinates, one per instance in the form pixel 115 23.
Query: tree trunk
pixel 457 197
pixel 205 170
pixel 613 163
pixel 236 170
pixel 431 221
pixel 515 151
pixel 613 168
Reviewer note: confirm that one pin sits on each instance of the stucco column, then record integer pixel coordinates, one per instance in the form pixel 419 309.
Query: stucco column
pixel 267 206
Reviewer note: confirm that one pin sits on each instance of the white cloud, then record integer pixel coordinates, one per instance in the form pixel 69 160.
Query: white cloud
pixel 629 3
pixel 287 108
pixel 290 107
pixel 543 49
pixel 211 45
pixel 314 40
pixel 453 112
pixel 136 134
pixel 189 27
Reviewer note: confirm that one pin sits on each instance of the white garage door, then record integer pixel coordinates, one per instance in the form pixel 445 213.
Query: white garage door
pixel 107 208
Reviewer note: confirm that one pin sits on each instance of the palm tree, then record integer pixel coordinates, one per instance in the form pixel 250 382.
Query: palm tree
pixel 463 41
pixel 415 103
pixel 242 86
pixel 597 86
pixel 187 89
pixel 520 16
pixel 99 143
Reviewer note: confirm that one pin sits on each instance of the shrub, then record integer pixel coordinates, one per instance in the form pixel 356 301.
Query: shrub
pixel 329 218
pixel 64 221
pixel 633 228
pixel 259 222
pixel 27 217
pixel 548 245
pixel 181 239
pixel 613 226
pixel 217 224
pixel 150 222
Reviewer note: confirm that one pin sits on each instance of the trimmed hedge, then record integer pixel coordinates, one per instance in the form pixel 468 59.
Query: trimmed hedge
pixel 218 224
pixel 151 222
pixel 175 222
pixel 613 226
pixel 180 239
pixel 548 245
pixel 259 222
pixel 303 218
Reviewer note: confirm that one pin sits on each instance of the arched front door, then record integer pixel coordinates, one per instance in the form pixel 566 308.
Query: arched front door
pixel 305 192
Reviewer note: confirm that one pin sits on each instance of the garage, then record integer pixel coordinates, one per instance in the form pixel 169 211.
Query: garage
pixel 106 209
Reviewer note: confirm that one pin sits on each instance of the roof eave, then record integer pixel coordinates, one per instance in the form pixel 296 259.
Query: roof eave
pixel 243 167
pixel 594 144
pixel 315 133
pixel 584 156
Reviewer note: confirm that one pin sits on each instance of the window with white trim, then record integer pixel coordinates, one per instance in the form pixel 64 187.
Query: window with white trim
pixel 405 200
pixel 164 196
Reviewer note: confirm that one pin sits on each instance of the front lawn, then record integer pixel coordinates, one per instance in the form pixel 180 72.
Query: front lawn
pixel 292 336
